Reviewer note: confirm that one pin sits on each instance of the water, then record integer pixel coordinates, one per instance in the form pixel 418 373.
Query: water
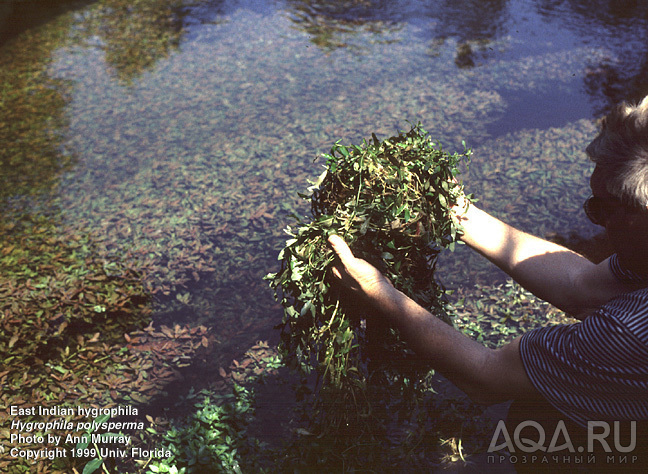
pixel 170 128
pixel 178 134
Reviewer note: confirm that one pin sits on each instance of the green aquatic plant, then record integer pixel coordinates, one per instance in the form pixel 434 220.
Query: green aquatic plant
pixel 214 438
pixel 391 201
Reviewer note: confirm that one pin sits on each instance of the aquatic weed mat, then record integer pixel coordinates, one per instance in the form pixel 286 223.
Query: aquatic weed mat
pixel 391 201
pixel 73 332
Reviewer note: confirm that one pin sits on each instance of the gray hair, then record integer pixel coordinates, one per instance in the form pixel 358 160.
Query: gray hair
pixel 621 149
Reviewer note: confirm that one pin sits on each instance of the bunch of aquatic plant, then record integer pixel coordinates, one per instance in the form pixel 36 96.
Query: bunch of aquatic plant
pixel 391 201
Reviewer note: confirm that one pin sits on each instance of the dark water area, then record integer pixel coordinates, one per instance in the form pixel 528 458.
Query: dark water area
pixel 174 136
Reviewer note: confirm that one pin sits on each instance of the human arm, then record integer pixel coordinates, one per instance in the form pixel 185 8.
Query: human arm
pixel 485 375
pixel 550 271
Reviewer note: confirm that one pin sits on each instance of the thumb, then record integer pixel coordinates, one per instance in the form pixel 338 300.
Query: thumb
pixel 341 248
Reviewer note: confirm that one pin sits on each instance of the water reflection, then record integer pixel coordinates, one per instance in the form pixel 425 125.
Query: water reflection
pixel 32 114
pixel 134 35
pixel 333 25
pixel 620 26
pixel 469 19
pixel 473 24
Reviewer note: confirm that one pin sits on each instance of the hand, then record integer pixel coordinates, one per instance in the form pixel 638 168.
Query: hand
pixel 459 210
pixel 358 275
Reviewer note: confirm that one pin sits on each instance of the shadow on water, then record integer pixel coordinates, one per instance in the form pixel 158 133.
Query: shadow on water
pixel 17 16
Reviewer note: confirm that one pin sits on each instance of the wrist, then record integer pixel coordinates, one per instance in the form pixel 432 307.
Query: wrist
pixel 465 217
pixel 461 206
pixel 388 301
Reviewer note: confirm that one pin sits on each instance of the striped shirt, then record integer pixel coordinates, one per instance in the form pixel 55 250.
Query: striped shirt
pixel 596 369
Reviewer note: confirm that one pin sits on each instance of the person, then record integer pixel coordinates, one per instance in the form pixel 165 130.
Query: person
pixel 595 370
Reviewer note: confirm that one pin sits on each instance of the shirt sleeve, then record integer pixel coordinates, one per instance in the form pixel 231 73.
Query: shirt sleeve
pixel 625 275
pixel 596 369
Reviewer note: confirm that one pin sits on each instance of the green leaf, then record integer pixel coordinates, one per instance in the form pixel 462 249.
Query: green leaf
pixel 84 443
pixel 92 466
pixel 102 418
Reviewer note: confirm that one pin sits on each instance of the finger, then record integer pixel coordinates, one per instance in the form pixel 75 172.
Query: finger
pixel 340 274
pixel 341 248
pixel 336 272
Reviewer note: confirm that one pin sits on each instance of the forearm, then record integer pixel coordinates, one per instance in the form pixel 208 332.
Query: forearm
pixel 485 375
pixel 552 272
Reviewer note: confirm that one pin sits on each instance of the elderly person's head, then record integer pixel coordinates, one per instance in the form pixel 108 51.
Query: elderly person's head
pixel 621 150
pixel 620 182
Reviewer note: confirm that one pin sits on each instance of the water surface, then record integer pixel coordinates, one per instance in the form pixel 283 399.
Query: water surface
pixel 178 134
